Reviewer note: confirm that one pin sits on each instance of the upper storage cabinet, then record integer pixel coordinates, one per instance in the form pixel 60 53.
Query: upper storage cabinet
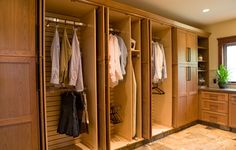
pixel 185 44
pixel 79 20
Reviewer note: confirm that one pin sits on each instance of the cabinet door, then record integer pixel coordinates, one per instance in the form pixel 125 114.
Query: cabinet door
pixel 232 110
pixel 181 46
pixel 192 91
pixel 191 40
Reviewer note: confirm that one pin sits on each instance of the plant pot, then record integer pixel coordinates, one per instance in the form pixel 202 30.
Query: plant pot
pixel 222 85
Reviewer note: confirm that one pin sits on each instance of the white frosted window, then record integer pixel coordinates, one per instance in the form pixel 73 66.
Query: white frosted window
pixel 231 62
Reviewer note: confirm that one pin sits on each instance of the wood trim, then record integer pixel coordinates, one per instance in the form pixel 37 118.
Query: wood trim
pixel 221 42
pixel 14 121
pixel 144 14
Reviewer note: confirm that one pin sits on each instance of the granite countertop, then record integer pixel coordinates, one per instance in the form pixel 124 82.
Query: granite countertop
pixel 228 90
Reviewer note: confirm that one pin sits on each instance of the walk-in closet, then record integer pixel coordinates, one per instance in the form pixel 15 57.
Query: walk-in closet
pixel 79 21
pixel 161 77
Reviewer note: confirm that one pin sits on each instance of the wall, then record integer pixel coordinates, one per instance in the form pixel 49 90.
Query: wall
pixel 218 30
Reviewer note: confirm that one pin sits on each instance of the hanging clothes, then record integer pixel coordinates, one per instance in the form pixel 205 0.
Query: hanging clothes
pixel 124 54
pixel 65 58
pixel 75 72
pixel 114 61
pixel 134 93
pixel 68 121
pixel 55 57
pixel 159 71
pixel 82 112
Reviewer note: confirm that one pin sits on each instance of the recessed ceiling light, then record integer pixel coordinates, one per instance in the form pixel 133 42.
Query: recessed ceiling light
pixel 206 10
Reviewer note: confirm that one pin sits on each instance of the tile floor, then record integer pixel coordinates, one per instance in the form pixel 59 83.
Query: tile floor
pixel 198 137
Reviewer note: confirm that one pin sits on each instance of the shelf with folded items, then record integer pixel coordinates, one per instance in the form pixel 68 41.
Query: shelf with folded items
pixel 79 13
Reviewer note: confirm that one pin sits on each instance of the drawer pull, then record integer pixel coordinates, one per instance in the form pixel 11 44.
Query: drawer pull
pixel 213 107
pixel 213 97
pixel 213 118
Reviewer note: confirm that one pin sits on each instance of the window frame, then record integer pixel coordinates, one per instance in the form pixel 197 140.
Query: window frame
pixel 222 45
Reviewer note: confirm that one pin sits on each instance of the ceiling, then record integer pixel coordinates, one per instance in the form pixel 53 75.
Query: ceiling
pixel 189 11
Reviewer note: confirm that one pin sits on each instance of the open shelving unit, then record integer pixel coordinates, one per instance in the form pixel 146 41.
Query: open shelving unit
pixel 203 61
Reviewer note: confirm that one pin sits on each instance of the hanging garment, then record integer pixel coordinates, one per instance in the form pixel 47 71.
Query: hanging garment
pixel 81 105
pixel 124 54
pixel 65 58
pixel 68 121
pixel 159 71
pixel 164 68
pixel 134 93
pixel 75 72
pixel 55 57
pixel 114 61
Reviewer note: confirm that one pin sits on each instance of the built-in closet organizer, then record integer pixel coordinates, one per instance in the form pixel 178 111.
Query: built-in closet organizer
pixel 70 15
pixel 185 77
pixel 156 98
pixel 122 115
pixel 161 99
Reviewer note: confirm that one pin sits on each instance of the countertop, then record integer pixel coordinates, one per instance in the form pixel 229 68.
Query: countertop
pixel 228 90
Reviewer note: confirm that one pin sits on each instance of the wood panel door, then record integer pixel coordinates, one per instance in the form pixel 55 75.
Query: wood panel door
pixel 180 46
pixel 19 124
pixel 18 104
pixel 191 42
pixel 232 110
pixel 192 94
pixel 146 79
pixel 101 75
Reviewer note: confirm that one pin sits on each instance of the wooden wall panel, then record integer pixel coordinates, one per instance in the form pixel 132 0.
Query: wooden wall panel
pixel 18 102
pixel 146 79
pixel 17 28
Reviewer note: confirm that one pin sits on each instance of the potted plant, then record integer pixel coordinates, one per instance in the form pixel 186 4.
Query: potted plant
pixel 222 76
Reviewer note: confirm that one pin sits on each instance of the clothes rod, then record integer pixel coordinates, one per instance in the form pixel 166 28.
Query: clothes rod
pixel 114 30
pixel 57 20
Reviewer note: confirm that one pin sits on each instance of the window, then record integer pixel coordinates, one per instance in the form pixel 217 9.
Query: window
pixel 227 55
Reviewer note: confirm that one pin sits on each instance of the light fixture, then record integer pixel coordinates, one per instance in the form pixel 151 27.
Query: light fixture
pixel 206 10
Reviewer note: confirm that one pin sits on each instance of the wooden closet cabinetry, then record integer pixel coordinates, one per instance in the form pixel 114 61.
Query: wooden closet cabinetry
pixel 185 89
pixel 214 107
pixel 232 110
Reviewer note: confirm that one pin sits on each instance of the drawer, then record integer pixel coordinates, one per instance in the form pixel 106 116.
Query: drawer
pixel 215 106
pixel 215 96
pixel 232 97
pixel 218 118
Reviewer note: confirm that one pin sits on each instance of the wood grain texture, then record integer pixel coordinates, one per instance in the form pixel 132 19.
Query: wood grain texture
pixel 87 39
pixel 146 79
pixel 17 28
pixel 18 101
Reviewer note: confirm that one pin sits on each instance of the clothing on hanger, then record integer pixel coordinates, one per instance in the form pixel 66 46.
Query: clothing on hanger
pixel 124 54
pixel 114 61
pixel 55 57
pixel 64 59
pixel 75 72
pixel 159 70
pixel 68 121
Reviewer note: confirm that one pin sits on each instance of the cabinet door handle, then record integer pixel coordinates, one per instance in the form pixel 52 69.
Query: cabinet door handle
pixel 213 118
pixel 188 73
pixel 188 54
pixel 213 107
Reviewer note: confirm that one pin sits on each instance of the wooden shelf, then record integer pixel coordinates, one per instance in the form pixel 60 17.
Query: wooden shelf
pixel 202 71
pixel 202 61
pixel 202 47
pixel 135 51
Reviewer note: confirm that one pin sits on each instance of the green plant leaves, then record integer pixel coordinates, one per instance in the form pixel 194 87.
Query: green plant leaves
pixel 222 74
